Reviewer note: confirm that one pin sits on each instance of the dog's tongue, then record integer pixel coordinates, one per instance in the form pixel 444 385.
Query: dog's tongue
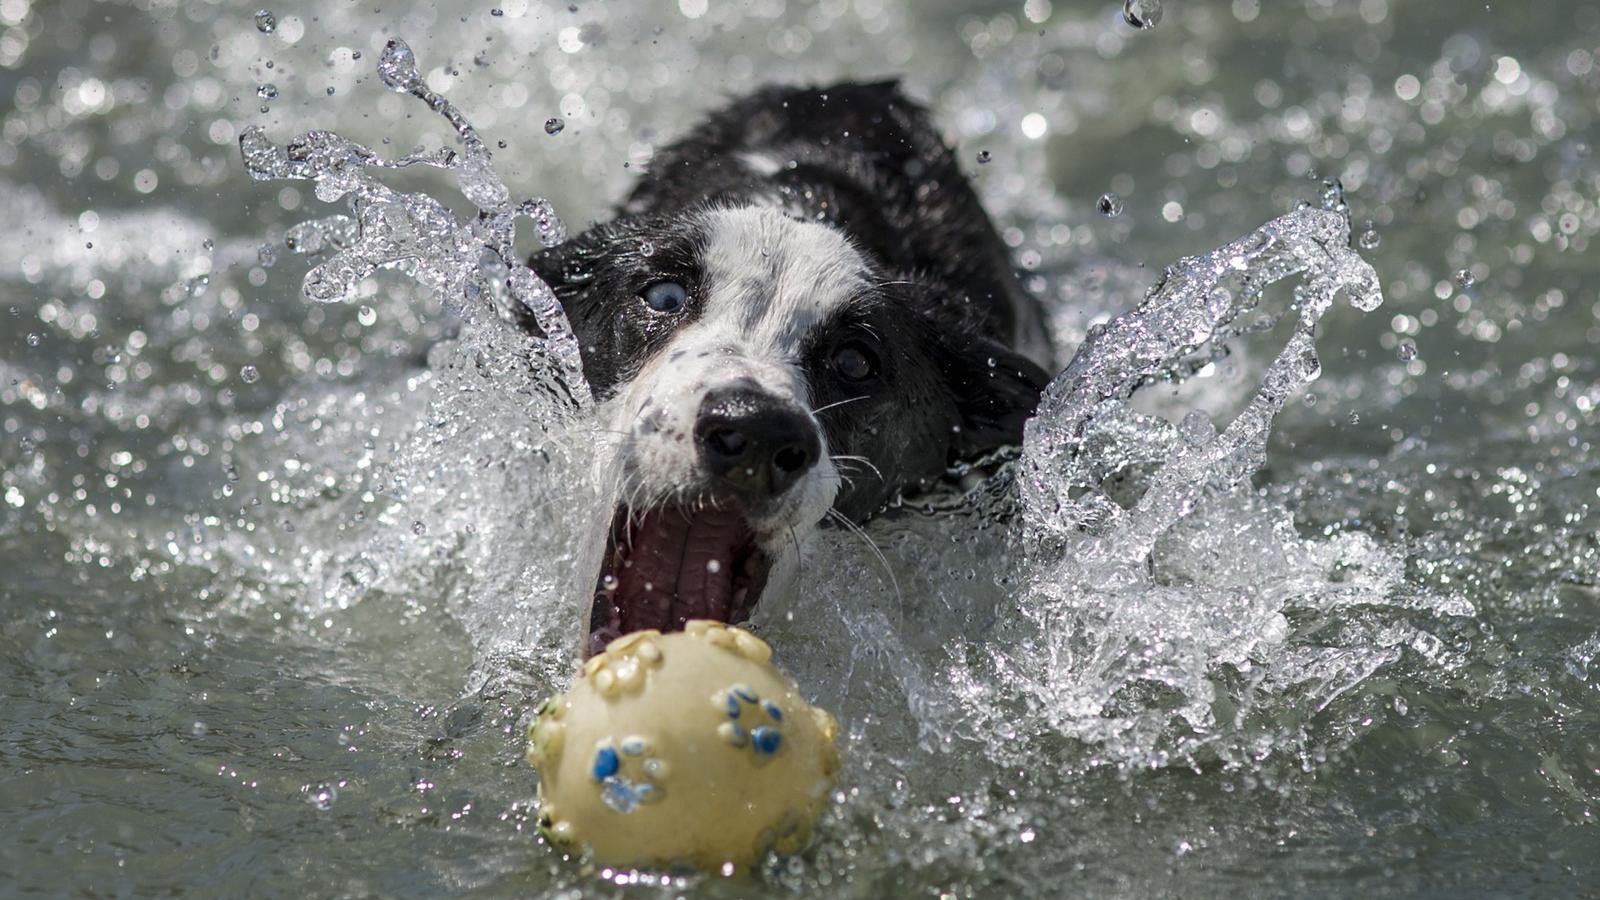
pixel 679 567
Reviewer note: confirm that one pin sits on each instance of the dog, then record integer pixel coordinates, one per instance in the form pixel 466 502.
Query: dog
pixel 801 312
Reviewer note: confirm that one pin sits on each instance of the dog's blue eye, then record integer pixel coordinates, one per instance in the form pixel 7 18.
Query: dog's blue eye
pixel 665 296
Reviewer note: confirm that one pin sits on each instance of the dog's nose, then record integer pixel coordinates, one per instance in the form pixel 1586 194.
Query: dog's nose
pixel 754 442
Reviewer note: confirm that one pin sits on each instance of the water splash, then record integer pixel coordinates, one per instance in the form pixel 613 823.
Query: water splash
pixel 1195 305
pixel 498 438
pixel 471 265
pixel 1155 622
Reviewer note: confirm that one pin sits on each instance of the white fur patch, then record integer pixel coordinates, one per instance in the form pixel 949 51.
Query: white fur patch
pixel 771 278
pixel 767 281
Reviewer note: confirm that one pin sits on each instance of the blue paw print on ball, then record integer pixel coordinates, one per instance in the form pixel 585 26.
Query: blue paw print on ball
pixel 617 790
pixel 744 709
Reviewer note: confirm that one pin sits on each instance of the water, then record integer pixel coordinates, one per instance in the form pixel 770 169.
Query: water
pixel 1315 607
pixel 1141 13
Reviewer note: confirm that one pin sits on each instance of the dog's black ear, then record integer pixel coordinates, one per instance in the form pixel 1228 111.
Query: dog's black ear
pixel 569 266
pixel 996 391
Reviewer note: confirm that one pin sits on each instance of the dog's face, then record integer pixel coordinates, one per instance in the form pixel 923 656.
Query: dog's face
pixel 757 371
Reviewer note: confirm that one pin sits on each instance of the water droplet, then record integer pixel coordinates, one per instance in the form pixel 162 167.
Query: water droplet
pixel 1141 13
pixel 355 54
pixel 322 796
pixel 199 729
pixel 34 339
pixel 208 245
pixel 367 315
pixel 266 22
pixel 249 374
pixel 1311 365
pixel 647 249
pixel 1110 205
pixel 1369 239
pixel 497 11
pixel 1197 428
pixel 1333 196
pixel 553 125
pixel 984 156
pixel 546 223
pixel 713 566
pixel 397 66
pixel 1407 351
pixel 609 582
pixel 1465 279
pixel 330 91
pixel 419 528
pixel 267 91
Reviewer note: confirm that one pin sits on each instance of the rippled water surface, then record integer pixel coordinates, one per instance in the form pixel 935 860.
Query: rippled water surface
pixel 1315 612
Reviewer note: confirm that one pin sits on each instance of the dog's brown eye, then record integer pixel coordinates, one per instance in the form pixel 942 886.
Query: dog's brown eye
pixel 855 362
pixel 665 296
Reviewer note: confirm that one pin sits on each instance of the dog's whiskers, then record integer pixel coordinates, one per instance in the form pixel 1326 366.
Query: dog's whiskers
pixel 838 403
pixel 855 529
pixel 861 460
pixel 799 558
pixel 839 477
pixel 634 512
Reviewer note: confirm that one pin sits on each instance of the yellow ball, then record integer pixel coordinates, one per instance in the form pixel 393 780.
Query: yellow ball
pixel 689 748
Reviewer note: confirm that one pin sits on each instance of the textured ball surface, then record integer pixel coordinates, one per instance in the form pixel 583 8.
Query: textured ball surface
pixel 688 748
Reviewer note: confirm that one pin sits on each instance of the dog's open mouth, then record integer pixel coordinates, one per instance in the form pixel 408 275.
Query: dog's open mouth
pixel 666 565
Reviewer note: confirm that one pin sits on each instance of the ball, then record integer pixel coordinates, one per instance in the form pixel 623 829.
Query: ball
pixel 689 749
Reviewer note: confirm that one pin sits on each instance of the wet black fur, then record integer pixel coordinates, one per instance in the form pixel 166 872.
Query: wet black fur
pixel 868 161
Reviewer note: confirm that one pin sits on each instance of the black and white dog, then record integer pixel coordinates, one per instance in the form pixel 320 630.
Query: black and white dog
pixel 802 308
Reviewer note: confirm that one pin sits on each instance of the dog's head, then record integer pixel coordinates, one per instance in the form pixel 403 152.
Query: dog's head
pixel 758 370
